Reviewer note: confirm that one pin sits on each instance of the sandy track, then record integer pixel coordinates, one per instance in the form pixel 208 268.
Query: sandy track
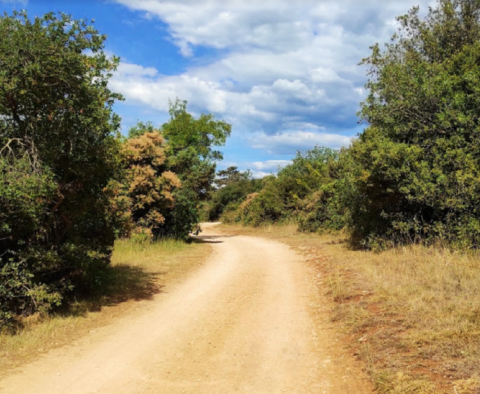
pixel 241 324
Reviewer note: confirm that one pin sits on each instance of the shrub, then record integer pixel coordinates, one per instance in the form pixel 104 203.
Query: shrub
pixel 58 151
pixel 420 155
pixel 150 186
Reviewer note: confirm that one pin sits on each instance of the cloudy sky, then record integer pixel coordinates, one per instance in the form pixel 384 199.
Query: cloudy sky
pixel 284 73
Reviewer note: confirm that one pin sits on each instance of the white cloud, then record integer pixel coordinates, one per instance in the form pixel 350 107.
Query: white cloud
pixel 297 140
pixel 281 64
pixel 268 165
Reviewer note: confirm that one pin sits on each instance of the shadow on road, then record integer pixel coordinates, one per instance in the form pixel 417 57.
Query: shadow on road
pixel 122 283
pixel 210 239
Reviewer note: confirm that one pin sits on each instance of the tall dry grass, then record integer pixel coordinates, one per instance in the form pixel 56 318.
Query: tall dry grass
pixel 138 272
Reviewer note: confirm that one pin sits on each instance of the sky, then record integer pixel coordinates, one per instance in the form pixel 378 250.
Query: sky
pixel 283 73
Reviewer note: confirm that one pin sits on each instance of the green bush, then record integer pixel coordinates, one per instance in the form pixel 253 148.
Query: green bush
pixel 58 151
pixel 235 186
pixel 420 155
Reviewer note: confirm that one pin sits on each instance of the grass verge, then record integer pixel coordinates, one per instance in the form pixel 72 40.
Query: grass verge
pixel 412 314
pixel 138 272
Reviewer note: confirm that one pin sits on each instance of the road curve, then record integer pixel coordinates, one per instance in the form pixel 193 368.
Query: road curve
pixel 240 324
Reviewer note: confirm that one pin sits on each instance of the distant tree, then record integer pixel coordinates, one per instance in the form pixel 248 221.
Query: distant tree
pixel 58 151
pixel 140 128
pixel 233 186
pixel 231 175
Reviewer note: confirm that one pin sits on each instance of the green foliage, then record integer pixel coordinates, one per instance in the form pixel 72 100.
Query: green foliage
pixel 299 193
pixel 328 205
pixel 231 176
pixel 236 185
pixel 308 173
pixel 141 128
pixel 420 155
pixel 58 151
pixel 184 132
pixel 413 174
pixel 191 156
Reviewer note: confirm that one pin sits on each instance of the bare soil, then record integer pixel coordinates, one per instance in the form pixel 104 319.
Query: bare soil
pixel 248 321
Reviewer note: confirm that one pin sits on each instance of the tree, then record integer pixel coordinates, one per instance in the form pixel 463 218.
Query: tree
pixel 231 175
pixel 420 155
pixel 150 185
pixel 140 128
pixel 58 151
pixel 192 157
pixel 234 187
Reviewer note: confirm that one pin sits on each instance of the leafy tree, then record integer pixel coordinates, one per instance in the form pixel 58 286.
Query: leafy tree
pixel 58 151
pixel 236 185
pixel 230 176
pixel 183 132
pixel 420 155
pixel 140 128
pixel 191 156
pixel 150 185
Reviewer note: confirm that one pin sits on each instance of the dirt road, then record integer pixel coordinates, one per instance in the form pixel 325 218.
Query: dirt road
pixel 241 324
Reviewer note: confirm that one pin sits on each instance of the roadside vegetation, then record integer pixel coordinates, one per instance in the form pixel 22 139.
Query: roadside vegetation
pixel 72 188
pixel 412 175
pixel 90 218
pixel 392 222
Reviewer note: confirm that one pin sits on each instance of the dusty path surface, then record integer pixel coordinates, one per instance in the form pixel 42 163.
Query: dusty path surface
pixel 241 324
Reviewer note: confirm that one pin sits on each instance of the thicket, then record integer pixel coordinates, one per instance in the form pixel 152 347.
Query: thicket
pixel 189 154
pixel 70 184
pixel 232 187
pixel 413 174
pixel 58 152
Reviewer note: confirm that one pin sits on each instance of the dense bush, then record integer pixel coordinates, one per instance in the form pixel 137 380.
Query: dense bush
pixel 420 155
pixel 412 175
pixel 58 151
pixel 233 187
pixel 291 195
pixel 150 186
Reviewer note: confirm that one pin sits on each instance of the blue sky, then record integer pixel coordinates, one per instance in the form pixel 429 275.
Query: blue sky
pixel 285 74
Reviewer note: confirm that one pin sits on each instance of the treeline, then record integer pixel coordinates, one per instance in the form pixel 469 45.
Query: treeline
pixel 70 184
pixel 413 175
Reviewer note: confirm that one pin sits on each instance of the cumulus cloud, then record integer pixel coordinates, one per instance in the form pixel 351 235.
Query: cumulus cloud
pixel 268 165
pixel 299 140
pixel 280 65
pixel 260 169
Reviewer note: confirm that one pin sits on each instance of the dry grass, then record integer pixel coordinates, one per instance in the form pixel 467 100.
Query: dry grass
pixel 412 314
pixel 139 271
